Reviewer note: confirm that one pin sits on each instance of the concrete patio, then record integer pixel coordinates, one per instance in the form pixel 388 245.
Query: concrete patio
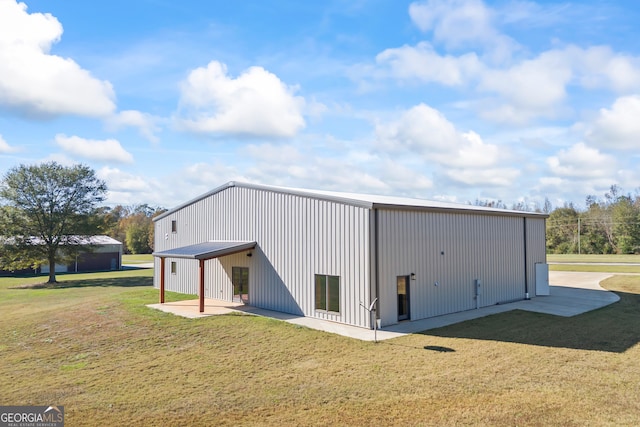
pixel 571 294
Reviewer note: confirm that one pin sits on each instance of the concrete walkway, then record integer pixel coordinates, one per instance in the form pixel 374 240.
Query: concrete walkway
pixel 571 293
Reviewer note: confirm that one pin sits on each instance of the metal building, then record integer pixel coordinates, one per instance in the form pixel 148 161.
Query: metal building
pixel 329 255
pixel 102 253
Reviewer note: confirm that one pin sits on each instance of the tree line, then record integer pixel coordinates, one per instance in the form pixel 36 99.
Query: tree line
pixel 48 210
pixel 608 225
pixel 131 225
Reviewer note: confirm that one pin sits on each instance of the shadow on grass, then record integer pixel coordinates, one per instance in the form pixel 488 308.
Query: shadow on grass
pixel 613 328
pixel 135 267
pixel 439 349
pixel 121 282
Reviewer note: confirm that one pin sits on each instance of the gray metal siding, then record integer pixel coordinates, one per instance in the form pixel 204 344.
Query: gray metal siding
pixel 297 238
pixel 452 250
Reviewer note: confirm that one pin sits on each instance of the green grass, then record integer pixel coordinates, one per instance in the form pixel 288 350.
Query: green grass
pixel 594 263
pixel 92 346
pixel 593 258
pixel 137 259
pixel 63 278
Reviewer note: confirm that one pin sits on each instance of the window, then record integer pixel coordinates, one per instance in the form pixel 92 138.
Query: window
pixel 327 293
pixel 174 267
pixel 174 226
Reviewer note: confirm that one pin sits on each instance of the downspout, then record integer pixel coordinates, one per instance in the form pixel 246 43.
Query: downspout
pixel 161 280
pixel 201 283
pixel 377 261
pixel 526 275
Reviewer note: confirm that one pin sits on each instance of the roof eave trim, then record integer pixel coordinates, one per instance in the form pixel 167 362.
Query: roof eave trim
pixel 302 193
pixel 209 254
pixel 471 210
pixel 229 251
pixel 195 200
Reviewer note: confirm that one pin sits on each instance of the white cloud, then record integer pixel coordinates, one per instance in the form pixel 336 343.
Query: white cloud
pixel 582 162
pixel 532 87
pixel 462 23
pixel 120 181
pixel 463 157
pixel 424 63
pixel 146 123
pixel 34 82
pixel 5 148
pixel 289 166
pixel 255 103
pixel 472 153
pixel 521 91
pixel 352 171
pixel 201 177
pixel 537 87
pixel 618 127
pixel 402 177
pixel 473 52
pixel 101 150
pixel 599 66
pixel 421 129
pixel 275 153
pixel 60 158
pixel 124 188
pixel 499 177
pixel 426 131
pixel 128 188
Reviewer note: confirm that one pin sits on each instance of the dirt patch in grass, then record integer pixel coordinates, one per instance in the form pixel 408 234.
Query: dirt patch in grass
pixel 111 361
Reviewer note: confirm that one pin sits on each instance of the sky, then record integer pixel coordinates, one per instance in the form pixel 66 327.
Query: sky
pixel 450 100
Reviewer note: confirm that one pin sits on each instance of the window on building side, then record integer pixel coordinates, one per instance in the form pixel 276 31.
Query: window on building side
pixel 174 226
pixel 327 293
pixel 174 267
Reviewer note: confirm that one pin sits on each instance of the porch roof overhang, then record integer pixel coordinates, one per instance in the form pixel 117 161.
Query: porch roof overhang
pixel 207 250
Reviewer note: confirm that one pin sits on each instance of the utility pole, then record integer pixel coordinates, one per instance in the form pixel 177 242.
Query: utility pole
pixel 578 234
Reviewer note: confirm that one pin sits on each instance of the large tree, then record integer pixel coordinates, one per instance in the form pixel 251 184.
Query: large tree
pixel 562 230
pixel 47 209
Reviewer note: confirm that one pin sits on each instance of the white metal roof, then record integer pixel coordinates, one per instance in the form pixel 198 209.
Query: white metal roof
pixel 76 240
pixel 98 240
pixel 365 200
pixel 207 250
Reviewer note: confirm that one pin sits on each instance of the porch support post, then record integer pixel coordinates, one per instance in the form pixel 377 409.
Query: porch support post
pixel 201 286
pixel 162 280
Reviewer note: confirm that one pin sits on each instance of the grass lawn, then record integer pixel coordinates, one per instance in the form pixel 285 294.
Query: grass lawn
pixel 595 263
pixel 92 346
pixel 633 259
pixel 136 259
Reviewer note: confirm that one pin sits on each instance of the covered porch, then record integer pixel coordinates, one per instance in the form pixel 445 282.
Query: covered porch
pixel 201 252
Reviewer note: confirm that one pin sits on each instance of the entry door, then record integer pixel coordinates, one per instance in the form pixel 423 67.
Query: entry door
pixel 240 280
pixel 403 298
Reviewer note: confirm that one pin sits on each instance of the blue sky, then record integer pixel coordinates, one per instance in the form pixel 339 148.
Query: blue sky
pixel 446 100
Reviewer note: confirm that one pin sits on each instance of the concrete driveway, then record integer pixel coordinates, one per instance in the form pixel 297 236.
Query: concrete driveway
pixel 571 293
